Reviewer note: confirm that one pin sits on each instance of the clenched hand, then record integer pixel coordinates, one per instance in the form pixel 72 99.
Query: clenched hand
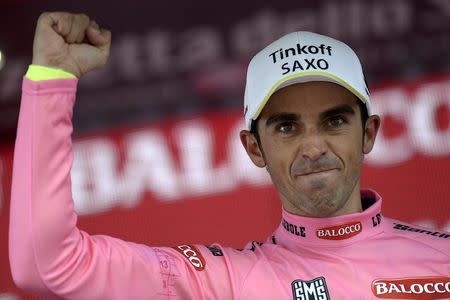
pixel 72 42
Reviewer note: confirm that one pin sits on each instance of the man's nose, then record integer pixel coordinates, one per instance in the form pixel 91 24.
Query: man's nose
pixel 312 145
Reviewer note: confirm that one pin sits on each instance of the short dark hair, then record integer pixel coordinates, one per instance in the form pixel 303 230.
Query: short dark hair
pixel 362 109
pixel 254 130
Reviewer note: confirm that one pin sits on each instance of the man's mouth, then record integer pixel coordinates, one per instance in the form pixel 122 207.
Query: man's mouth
pixel 318 172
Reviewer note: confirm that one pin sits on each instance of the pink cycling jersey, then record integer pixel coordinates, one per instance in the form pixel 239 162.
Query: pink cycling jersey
pixel 356 256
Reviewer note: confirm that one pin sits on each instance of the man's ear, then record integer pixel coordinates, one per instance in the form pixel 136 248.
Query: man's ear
pixel 252 147
pixel 370 133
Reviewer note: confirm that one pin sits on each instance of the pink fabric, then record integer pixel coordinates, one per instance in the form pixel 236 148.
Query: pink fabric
pixel 53 259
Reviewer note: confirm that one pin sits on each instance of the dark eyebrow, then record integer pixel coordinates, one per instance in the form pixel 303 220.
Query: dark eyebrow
pixel 283 117
pixel 338 110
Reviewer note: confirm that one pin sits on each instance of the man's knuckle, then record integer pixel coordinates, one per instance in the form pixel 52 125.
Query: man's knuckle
pixel 103 60
pixel 84 17
pixel 79 18
pixel 44 14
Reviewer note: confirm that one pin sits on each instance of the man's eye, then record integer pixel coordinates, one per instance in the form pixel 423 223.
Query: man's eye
pixel 285 127
pixel 335 122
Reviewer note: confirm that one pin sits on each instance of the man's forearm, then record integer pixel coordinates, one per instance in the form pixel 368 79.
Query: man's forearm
pixel 41 170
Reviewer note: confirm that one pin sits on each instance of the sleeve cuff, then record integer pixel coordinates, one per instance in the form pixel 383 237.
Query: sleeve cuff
pixel 37 73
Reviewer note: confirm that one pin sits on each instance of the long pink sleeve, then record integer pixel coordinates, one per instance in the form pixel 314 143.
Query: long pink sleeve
pixel 26 174
pixel 49 255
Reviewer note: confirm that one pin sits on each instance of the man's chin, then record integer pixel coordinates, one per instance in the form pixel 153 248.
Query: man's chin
pixel 322 198
pixel 318 183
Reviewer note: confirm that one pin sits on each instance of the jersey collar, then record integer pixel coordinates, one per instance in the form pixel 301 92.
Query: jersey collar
pixel 334 231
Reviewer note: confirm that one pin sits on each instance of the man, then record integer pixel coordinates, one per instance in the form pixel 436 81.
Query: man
pixel 307 111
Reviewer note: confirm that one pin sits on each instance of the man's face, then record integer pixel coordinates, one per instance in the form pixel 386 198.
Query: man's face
pixel 313 147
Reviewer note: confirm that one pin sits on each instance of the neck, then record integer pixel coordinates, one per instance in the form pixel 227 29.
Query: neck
pixel 299 231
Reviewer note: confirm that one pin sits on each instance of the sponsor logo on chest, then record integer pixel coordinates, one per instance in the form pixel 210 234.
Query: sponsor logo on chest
pixel 339 232
pixel 438 234
pixel 412 288
pixel 193 255
pixel 216 251
pixel 315 289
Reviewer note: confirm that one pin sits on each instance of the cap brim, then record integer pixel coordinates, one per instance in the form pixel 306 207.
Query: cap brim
pixel 307 77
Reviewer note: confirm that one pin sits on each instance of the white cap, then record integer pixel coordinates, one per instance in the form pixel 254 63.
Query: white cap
pixel 301 57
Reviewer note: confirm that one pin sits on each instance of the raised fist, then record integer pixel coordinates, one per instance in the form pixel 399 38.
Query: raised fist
pixel 72 42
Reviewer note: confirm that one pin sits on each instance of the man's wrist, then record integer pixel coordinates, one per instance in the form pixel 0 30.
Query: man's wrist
pixel 37 73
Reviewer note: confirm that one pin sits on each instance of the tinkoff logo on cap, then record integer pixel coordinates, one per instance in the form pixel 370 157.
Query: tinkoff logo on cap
pixel 302 64
pixel 301 57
